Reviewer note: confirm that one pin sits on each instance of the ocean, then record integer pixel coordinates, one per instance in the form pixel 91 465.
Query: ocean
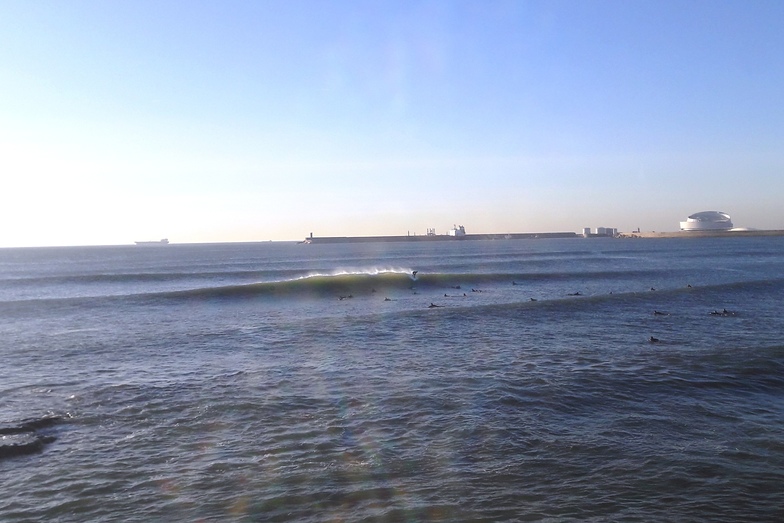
pixel 520 380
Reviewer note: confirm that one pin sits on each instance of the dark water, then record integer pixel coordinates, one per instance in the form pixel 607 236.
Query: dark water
pixel 232 382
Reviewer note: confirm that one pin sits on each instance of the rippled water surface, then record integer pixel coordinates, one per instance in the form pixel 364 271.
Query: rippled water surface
pixel 278 382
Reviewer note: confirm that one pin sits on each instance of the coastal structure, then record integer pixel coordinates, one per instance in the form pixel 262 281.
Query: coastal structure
pixel 707 221
pixel 455 234
pixel 457 231
pixel 600 232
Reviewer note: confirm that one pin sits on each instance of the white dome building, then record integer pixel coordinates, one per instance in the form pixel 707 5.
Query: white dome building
pixel 707 221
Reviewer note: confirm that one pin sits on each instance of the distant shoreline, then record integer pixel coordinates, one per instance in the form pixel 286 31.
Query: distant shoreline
pixel 541 235
pixel 700 234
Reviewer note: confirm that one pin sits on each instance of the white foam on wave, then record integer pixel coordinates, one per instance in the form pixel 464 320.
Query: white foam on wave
pixel 372 271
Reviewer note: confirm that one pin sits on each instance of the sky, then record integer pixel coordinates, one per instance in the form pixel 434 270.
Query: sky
pixel 222 121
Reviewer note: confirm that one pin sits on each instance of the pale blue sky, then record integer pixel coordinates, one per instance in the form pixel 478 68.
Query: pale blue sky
pixel 257 120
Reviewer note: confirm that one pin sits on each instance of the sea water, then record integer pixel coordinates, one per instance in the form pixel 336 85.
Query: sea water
pixel 504 381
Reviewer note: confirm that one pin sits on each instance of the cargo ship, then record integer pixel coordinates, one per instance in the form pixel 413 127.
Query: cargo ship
pixel 164 241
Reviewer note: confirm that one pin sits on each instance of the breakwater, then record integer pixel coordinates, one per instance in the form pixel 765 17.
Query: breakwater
pixel 442 237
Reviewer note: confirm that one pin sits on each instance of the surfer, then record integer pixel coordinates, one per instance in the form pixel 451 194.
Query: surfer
pixel 533 299
pixel 387 299
pixel 653 340
pixel 574 294
pixel 724 312
pixel 433 305
pixel 414 273
pixel 659 313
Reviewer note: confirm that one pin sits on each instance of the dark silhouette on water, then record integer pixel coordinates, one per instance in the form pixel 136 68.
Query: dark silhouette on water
pixel 34 441
pixel 723 312
pixel 653 340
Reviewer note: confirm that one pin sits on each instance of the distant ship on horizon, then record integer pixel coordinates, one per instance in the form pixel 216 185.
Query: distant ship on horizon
pixel 164 241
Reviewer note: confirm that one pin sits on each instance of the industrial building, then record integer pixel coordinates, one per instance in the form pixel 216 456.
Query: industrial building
pixel 599 232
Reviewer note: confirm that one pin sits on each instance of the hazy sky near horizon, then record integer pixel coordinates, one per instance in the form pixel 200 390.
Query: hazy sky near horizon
pixel 254 120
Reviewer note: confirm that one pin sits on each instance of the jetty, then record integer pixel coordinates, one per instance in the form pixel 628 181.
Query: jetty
pixel 439 237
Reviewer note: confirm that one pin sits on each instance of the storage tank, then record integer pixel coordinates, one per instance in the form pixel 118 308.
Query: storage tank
pixel 707 221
